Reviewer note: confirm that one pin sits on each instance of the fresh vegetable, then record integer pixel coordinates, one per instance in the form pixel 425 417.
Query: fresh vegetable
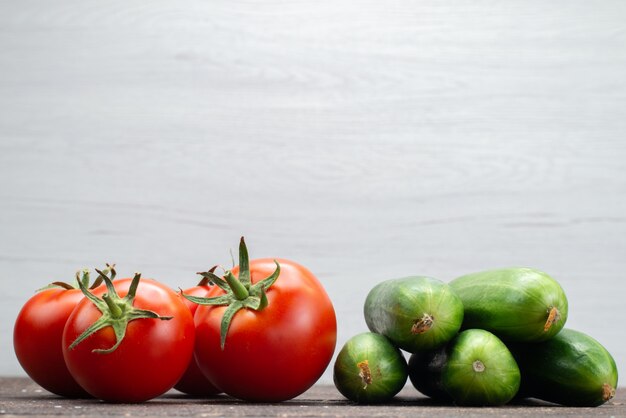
pixel 38 331
pixel 480 370
pixel 271 332
pixel 128 341
pixel 193 382
pixel 516 304
pixel 415 313
pixel 369 369
pixel 425 372
pixel 571 369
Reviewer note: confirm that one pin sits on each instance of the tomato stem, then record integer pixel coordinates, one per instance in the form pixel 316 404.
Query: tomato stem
pixel 244 265
pixel 239 290
pixel 116 311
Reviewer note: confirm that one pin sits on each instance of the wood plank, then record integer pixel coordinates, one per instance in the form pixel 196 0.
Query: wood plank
pixel 20 396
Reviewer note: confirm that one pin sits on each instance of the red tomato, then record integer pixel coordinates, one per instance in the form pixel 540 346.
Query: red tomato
pixel 193 381
pixel 276 353
pixel 37 340
pixel 149 360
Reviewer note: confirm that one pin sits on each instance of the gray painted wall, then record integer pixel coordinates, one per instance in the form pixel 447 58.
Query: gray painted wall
pixel 366 140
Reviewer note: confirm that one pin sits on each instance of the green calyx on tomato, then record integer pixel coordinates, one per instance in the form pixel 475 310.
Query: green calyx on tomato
pixel 81 278
pixel 239 293
pixel 116 312
pixel 206 277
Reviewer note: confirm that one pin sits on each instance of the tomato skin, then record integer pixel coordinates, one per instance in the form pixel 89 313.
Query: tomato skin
pixel 150 360
pixel 37 340
pixel 193 382
pixel 274 354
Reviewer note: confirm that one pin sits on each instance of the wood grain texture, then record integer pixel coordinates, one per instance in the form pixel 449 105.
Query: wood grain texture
pixel 22 397
pixel 367 140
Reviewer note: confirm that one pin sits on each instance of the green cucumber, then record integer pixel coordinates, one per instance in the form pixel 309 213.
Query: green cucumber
pixel 425 369
pixel 369 369
pixel 415 313
pixel 516 304
pixel 571 369
pixel 480 370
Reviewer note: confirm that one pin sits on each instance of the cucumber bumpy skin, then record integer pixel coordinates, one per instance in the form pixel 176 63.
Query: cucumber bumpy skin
pixel 516 304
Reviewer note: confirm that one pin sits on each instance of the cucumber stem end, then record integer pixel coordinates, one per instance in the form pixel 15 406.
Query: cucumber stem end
pixel 423 324
pixel 608 392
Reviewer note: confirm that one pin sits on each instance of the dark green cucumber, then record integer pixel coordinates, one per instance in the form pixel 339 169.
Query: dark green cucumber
pixel 415 313
pixel 571 369
pixel 480 370
pixel 425 369
pixel 516 304
pixel 369 369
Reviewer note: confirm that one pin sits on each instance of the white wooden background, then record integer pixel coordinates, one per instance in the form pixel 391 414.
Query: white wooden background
pixel 364 139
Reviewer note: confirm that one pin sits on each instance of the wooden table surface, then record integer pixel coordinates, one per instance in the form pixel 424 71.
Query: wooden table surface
pixel 21 396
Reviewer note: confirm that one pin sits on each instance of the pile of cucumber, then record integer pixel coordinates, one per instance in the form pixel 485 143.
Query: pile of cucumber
pixel 482 339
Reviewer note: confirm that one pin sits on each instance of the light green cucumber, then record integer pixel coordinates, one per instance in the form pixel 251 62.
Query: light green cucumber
pixel 480 370
pixel 415 313
pixel 516 304
pixel 369 369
